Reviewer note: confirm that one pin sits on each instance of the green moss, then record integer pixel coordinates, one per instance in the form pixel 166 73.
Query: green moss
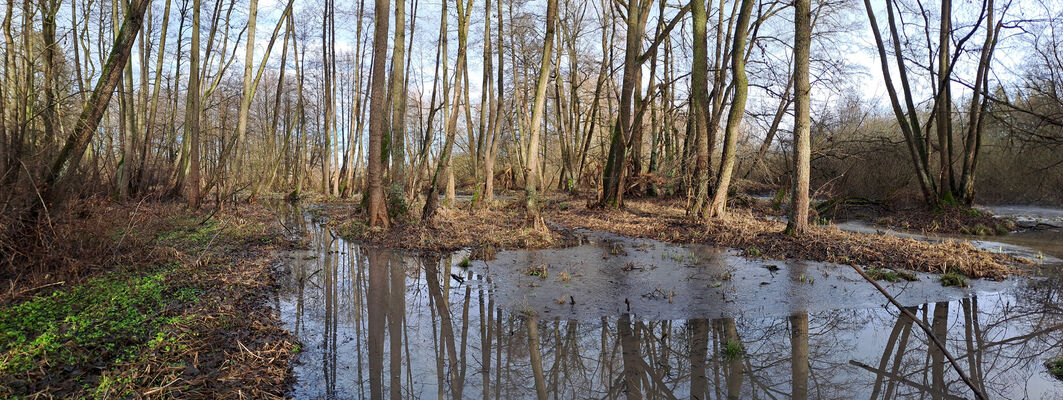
pixel 1001 229
pixel 953 279
pixel 981 230
pixel 889 275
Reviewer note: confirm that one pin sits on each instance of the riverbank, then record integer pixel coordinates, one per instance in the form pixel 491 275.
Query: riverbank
pixel 156 302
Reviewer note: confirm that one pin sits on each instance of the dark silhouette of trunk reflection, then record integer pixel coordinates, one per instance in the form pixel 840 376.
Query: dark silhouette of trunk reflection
pixel 799 355
pixel 733 354
pixel 442 307
pixel 629 344
pixel 937 358
pixel 536 357
pixel 396 314
pixel 377 308
pixel 699 348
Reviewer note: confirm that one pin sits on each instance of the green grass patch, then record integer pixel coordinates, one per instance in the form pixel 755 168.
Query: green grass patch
pixel 190 233
pixel 954 279
pixel 889 275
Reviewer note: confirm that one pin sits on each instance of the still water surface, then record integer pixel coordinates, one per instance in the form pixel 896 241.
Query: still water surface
pixel 623 318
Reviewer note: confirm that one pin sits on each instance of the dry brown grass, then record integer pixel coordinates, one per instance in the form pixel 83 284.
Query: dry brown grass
pixel 757 236
pixel 506 227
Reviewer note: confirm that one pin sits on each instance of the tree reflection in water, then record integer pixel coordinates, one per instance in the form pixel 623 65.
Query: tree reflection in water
pixel 361 312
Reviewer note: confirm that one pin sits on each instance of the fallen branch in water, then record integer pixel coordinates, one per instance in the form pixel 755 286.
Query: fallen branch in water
pixel 952 360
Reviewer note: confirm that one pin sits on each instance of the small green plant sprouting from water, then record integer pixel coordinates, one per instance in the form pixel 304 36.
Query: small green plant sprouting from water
pixel 953 279
pixel 1055 367
pixel 465 263
pixel 683 257
pixel 753 251
pixel 733 349
pixel 538 270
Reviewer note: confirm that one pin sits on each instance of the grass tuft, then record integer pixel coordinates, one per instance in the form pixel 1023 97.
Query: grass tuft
pixel 733 349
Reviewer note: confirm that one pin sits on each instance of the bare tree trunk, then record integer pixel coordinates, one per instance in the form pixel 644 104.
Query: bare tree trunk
pixel 398 104
pixel 245 102
pixel 193 99
pixel 718 208
pixel 49 8
pixel 66 163
pixel 378 214
pixel 798 223
pixel 700 106
pixel 431 203
pixel 327 55
pixel 979 103
pixel 538 109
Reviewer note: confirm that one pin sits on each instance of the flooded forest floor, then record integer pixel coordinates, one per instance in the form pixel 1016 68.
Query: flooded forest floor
pixel 752 229
pixel 153 300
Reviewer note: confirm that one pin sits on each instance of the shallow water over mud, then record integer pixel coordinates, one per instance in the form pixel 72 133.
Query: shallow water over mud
pixel 615 317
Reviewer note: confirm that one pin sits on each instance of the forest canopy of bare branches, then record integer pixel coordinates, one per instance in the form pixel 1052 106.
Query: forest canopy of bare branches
pixel 910 101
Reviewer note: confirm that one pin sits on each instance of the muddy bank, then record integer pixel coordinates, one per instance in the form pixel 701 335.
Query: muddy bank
pixel 613 315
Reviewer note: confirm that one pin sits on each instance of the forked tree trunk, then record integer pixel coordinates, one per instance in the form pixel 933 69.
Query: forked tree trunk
pixel 718 208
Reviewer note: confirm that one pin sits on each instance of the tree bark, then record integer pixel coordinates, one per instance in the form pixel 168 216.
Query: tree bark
pixel 718 208
pixel 535 125
pixel 378 214
pixel 798 223
pixel 398 102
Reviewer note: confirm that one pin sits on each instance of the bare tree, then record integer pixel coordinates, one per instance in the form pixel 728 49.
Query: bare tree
pixel 798 223
pixel 378 214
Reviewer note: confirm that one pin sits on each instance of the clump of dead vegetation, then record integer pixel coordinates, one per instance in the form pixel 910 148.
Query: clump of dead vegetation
pixel 452 228
pixel 665 220
pixel 180 312
pixel 949 219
